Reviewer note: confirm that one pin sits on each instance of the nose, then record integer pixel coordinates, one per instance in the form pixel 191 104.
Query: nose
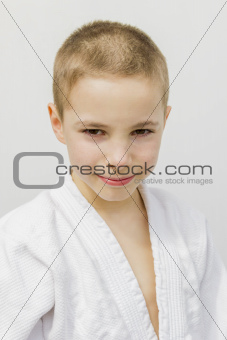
pixel 119 155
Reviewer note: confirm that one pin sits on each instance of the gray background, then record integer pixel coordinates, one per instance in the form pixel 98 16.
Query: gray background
pixel 196 128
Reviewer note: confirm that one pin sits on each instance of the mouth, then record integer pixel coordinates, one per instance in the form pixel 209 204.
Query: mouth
pixel 116 178
pixel 116 181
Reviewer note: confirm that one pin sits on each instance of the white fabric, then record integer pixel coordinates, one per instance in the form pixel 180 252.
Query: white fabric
pixel 64 276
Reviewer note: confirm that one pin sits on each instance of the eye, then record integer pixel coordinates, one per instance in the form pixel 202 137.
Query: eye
pixel 91 131
pixel 94 132
pixel 143 134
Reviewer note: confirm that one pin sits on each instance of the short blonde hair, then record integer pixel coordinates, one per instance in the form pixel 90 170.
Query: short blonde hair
pixel 106 48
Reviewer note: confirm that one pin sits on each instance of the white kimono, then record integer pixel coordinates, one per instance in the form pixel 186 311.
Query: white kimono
pixel 64 276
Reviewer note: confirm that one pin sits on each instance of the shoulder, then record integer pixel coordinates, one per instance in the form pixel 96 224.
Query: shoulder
pixel 174 206
pixel 182 223
pixel 25 265
pixel 26 221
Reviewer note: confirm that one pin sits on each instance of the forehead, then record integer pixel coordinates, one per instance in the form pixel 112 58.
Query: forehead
pixel 113 85
pixel 112 98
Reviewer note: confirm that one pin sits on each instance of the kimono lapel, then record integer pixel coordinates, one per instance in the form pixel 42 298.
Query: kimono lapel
pixel 167 265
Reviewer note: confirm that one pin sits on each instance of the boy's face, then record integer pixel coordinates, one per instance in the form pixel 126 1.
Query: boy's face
pixel 120 104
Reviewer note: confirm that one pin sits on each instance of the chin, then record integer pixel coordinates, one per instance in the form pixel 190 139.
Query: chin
pixel 114 193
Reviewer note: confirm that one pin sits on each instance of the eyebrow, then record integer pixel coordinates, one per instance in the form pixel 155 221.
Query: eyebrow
pixel 101 125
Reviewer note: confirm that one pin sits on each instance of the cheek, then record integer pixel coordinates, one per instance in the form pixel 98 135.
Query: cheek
pixel 81 152
pixel 148 150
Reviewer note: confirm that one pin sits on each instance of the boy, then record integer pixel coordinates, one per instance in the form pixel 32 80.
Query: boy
pixel 104 256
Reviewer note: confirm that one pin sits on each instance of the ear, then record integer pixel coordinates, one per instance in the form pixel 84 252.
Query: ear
pixel 168 109
pixel 56 122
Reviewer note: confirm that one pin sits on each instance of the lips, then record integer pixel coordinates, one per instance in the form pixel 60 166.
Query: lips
pixel 116 179
pixel 116 182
